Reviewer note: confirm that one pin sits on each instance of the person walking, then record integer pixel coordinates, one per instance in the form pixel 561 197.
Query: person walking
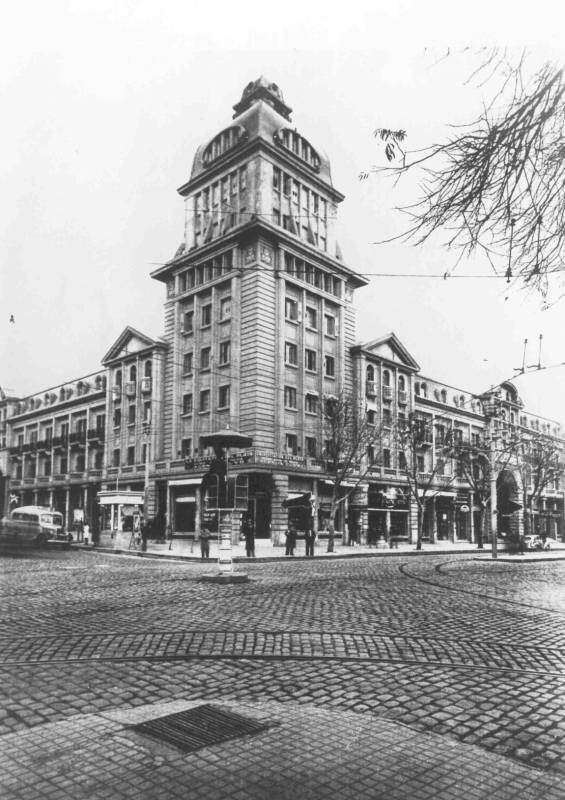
pixel 249 534
pixel 290 539
pixel 310 538
pixel 205 543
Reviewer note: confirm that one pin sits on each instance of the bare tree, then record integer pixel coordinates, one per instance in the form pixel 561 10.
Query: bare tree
pixel 348 435
pixel 413 437
pixel 538 461
pixel 474 461
pixel 498 183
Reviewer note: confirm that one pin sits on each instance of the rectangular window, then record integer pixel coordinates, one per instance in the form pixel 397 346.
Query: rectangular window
pixel 98 459
pixel 402 460
pixel 147 411
pixel 311 404
pixel 205 358
pixel 311 446
pixel 47 467
pixel 225 353
pixel 387 418
pixel 329 366
pixel 276 179
pixel 188 321
pixel 187 363
pixel 131 414
pixel 329 320
pixel 291 309
pixel 311 318
pixel 290 397
pixel 291 444
pixel 115 459
pixel 291 354
pixel 205 400
pixel 64 464
pixel 225 308
pixel 223 397
pixel 48 435
pixel 206 315
pixel 131 455
pixel 310 360
pixel 187 404
pixel 386 458
pixel 186 448
pixel 117 417
pixel 100 423
pixel 371 416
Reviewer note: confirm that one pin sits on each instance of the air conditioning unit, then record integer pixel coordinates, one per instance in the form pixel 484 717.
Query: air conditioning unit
pixel 146 385
pixel 130 389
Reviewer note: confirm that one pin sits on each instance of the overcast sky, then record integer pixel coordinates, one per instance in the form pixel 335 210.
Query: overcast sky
pixel 104 104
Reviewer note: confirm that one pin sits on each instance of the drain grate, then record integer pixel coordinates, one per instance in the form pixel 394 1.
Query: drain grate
pixel 199 727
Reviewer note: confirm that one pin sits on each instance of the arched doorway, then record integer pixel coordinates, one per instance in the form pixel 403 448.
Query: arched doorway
pixel 507 503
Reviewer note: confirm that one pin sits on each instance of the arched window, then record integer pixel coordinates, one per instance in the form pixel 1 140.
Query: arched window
pixel 370 373
pixel 424 389
pixel 133 373
pixel 147 369
pixel 401 383
pixel 386 378
pixel 443 396
pixel 417 388
pixel 118 378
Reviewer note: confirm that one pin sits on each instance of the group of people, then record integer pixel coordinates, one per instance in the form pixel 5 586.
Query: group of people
pixel 291 536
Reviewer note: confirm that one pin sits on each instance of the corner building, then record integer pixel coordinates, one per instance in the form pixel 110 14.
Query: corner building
pixel 259 326
pixel 258 316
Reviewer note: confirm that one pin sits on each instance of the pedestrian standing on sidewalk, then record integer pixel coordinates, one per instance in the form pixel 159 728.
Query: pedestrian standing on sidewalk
pixel 310 538
pixel 290 539
pixel 249 534
pixel 205 543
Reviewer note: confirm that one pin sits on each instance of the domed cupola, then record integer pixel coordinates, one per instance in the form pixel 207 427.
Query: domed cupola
pixel 262 89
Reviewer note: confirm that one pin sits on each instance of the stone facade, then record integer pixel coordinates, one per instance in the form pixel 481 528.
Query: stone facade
pixel 259 328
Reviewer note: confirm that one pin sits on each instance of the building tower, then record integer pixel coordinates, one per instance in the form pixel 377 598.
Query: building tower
pixel 258 314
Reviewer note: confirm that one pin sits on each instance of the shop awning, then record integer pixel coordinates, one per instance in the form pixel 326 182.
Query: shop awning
pixel 298 500
pixel 115 498
pixel 186 482
pixel 190 498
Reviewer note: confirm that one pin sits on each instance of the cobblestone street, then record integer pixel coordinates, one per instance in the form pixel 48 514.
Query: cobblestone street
pixel 422 677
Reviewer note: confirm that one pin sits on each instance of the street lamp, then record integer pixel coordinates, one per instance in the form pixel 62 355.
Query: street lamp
pixel 491 407
pixel 147 434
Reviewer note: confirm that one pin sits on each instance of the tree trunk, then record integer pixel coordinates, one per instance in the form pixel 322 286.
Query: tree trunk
pixel 421 521
pixel 331 536
pixel 482 522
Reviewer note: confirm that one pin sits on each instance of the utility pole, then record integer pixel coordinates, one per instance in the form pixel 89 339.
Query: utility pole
pixel 491 407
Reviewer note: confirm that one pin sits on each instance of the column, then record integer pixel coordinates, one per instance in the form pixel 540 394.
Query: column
pixel 51 498
pixel 471 527
pixel 198 513
pixel 452 520
pixel 315 505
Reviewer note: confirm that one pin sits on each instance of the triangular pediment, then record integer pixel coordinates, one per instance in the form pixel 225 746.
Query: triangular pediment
pixel 128 342
pixel 390 348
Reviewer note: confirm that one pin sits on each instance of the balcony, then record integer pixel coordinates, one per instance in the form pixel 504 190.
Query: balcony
pixel 146 385
pixel 130 389
pixel 78 438
pixel 45 444
pixel 116 392
pixel 402 398
pixel 371 389
pixel 16 450
pixel 96 434
pixel 387 393
pixel 60 442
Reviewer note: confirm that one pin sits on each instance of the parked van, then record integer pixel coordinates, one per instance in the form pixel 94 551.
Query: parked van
pixel 31 526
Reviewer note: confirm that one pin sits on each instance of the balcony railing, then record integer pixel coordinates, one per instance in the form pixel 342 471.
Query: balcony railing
pixel 387 392
pixel 96 434
pixel 60 442
pixel 77 438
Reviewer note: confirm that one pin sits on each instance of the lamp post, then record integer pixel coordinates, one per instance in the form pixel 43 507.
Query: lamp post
pixel 491 405
pixel 147 434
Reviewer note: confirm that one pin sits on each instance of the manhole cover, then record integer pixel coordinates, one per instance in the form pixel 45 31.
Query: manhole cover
pixel 199 727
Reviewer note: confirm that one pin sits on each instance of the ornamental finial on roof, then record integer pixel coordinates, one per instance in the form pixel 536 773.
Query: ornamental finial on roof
pixel 262 89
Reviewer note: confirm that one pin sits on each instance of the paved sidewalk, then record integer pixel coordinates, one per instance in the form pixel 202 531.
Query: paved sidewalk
pixel 266 551
pixel 305 754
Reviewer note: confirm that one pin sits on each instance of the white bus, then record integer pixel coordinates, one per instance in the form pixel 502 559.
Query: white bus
pixel 31 526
